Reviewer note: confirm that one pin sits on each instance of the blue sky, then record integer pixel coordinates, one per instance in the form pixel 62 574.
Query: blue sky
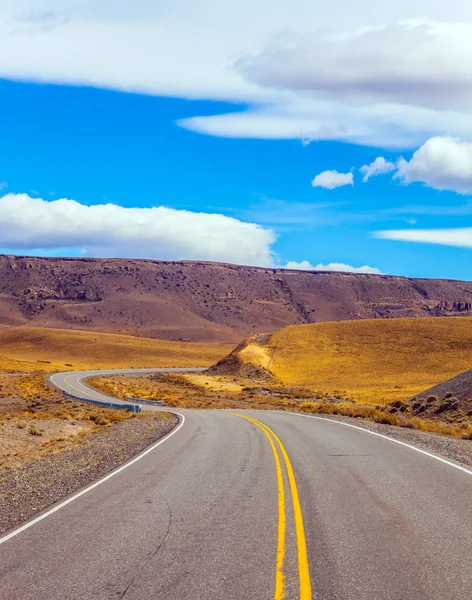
pixel 231 163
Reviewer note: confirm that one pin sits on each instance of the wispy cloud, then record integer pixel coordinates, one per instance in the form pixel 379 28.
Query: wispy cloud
pixel 284 213
pixel 432 210
pixel 460 237
pixel 380 166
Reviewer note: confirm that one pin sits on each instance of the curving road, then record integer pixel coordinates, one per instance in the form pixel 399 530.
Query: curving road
pixel 256 506
pixel 74 382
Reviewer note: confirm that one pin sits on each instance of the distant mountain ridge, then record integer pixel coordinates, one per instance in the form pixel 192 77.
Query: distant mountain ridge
pixel 203 301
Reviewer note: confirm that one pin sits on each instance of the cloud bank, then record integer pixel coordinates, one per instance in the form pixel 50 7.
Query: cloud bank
pixel 385 77
pixel 307 266
pixel 391 86
pixel 111 230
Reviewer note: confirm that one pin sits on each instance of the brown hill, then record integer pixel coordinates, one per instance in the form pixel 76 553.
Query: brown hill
pixel 206 301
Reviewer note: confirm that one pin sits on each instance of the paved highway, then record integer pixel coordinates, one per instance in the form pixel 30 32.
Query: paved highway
pixel 74 382
pixel 256 506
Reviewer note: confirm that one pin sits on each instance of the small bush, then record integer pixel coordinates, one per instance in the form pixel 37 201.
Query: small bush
pixel 32 430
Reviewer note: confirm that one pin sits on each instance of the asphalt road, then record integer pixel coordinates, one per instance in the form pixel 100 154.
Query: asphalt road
pixel 74 382
pixel 221 511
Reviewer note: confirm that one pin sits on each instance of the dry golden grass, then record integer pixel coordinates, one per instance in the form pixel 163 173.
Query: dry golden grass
pixel 366 411
pixel 48 427
pixel 22 390
pixel 32 348
pixel 219 384
pixel 376 361
pixel 178 391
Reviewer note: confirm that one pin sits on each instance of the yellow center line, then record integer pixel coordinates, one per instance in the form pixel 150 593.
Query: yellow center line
pixel 73 386
pixel 303 565
pixel 279 593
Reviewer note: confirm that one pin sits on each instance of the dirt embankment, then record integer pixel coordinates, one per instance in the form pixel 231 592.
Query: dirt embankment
pixel 26 490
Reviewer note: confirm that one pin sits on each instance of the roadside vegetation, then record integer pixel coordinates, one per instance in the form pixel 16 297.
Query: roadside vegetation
pixel 45 429
pixel 219 392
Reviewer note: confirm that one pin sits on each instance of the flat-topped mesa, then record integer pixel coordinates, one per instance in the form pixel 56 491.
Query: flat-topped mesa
pixel 206 301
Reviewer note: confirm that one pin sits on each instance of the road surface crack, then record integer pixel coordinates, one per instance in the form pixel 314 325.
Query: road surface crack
pixel 150 556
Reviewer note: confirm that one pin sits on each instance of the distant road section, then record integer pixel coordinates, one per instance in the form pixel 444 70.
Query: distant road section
pixel 73 382
pixel 257 505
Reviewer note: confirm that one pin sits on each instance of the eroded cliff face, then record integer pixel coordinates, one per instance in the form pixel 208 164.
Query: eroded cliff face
pixel 206 301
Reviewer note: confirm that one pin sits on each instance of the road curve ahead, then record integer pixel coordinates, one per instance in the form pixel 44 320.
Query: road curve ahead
pixel 256 505
pixel 74 382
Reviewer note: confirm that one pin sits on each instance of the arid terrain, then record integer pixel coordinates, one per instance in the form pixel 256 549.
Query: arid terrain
pixel 35 348
pixel 201 301
pixel 377 370
pixel 50 445
pixel 371 361
pixel 74 314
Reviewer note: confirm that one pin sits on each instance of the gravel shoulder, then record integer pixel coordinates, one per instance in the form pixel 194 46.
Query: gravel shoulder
pixel 457 450
pixel 27 490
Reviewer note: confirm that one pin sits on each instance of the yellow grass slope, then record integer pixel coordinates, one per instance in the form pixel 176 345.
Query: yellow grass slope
pixel 376 361
pixel 31 349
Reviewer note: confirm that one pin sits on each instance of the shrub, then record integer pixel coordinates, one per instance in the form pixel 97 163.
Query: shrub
pixel 33 431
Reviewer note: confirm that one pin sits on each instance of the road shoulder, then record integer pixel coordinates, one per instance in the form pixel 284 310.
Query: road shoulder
pixel 29 489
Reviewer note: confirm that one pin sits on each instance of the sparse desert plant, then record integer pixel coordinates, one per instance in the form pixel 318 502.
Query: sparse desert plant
pixel 32 430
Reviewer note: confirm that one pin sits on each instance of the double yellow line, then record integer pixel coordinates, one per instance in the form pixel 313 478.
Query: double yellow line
pixel 303 566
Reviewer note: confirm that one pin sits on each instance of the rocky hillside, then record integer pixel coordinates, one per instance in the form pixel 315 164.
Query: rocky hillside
pixel 450 400
pixel 206 301
pixel 457 388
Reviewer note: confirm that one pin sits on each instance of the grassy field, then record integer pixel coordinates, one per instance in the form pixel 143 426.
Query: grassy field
pixel 374 362
pixel 26 349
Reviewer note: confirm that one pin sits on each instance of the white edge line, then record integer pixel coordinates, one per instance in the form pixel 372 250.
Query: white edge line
pixel 93 485
pixel 381 435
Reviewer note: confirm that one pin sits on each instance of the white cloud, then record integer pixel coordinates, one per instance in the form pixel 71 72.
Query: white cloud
pixel 442 163
pixel 304 265
pixel 307 266
pixel 307 70
pixel 380 126
pixel 388 64
pixel 391 86
pixel 332 179
pixel 380 166
pixel 461 237
pixel 111 230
